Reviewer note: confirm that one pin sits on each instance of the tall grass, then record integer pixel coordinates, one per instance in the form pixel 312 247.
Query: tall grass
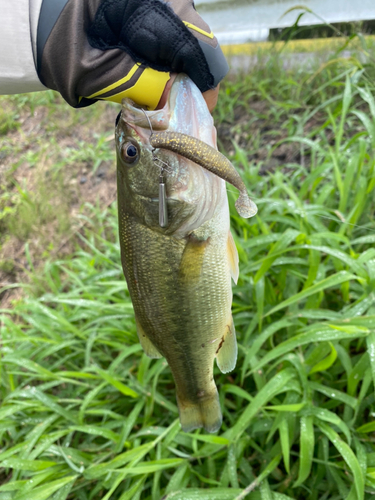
pixel 85 414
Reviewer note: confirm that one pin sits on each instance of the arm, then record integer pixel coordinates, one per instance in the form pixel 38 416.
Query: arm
pixel 110 49
pixel 18 27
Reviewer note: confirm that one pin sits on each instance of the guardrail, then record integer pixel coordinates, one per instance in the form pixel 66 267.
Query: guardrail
pixel 239 21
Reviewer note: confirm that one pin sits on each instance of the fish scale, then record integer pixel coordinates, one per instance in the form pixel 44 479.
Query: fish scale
pixel 189 317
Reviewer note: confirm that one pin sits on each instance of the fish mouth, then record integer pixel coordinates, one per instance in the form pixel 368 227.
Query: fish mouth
pixel 177 115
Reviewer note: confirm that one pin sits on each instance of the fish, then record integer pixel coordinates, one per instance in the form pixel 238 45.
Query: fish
pixel 177 252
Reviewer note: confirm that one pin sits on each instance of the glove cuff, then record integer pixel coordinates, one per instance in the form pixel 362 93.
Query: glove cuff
pixel 146 91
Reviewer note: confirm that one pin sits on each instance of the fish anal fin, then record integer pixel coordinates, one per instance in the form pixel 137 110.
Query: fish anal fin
pixel 205 413
pixel 226 352
pixel 192 259
pixel 148 347
pixel 232 258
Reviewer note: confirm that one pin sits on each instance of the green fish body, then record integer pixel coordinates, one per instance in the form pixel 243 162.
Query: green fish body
pixel 179 276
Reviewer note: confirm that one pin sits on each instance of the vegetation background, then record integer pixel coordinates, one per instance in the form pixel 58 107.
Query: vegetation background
pixel 84 414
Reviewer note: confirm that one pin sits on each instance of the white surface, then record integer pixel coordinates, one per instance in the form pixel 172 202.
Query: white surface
pixel 17 67
pixel 237 21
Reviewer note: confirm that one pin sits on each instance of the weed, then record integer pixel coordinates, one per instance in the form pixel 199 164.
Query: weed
pixel 8 121
pixel 85 414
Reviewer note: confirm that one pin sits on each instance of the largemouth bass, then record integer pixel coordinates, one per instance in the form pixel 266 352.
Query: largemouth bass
pixel 179 276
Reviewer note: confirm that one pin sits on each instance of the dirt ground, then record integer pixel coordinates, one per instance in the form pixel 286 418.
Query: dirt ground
pixel 38 179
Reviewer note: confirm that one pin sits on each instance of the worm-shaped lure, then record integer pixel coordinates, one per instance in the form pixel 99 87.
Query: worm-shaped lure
pixel 209 158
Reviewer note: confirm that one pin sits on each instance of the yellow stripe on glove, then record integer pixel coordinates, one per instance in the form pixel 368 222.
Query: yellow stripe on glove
pixel 146 92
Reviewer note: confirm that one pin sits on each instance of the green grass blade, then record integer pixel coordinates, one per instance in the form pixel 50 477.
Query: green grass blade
pixel 45 491
pixel 272 387
pixel 307 441
pixel 334 280
pixel 348 456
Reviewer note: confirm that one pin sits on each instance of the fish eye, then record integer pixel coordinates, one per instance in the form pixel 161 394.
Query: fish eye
pixel 129 152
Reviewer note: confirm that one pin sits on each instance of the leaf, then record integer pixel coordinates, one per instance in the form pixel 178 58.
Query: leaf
pixel 348 455
pixel 285 442
pixel 282 243
pixel 325 363
pixel 371 353
pixel 154 466
pixel 63 492
pixel 267 470
pixel 369 427
pixel 273 386
pixel 50 403
pixel 307 441
pixel 357 373
pixel 334 280
pixel 176 481
pixel 135 488
pixel 237 391
pixel 203 494
pixel 97 470
pixel 46 490
pixel 352 264
pixel 329 416
pixel 117 384
pixel 27 465
pixel 334 394
pixel 294 408
pixel 323 335
pixel 131 456
pixel 210 439
pixel 96 431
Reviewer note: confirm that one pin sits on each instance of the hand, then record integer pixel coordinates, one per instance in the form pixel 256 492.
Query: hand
pixel 115 49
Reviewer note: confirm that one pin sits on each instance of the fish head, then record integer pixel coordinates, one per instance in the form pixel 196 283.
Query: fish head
pixel 138 176
pixel 193 193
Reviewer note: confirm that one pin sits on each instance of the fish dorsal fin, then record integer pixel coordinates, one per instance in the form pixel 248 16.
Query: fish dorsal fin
pixel 148 347
pixel 232 257
pixel 226 353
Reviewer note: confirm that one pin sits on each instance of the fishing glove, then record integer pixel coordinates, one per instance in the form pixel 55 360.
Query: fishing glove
pixel 111 49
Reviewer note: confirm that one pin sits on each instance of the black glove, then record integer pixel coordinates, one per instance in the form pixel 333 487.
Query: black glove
pixel 110 49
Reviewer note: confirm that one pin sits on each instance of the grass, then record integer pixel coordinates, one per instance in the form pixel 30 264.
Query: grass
pixel 85 414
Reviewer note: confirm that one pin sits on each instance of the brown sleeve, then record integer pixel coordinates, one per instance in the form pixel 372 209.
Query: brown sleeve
pixel 70 65
pixel 82 73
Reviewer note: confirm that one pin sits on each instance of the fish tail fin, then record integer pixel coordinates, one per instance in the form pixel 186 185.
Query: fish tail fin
pixel 205 413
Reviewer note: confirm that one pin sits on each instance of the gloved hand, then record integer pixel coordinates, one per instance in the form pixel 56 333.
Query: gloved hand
pixel 111 49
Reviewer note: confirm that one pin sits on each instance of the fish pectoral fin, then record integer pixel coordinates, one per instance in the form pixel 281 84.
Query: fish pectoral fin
pixel 148 347
pixel 226 352
pixel 205 413
pixel 232 258
pixel 192 259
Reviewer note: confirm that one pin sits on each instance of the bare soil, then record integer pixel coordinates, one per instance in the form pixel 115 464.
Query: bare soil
pixel 29 153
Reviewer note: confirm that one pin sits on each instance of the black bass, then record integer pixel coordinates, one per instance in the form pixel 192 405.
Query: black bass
pixel 179 275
